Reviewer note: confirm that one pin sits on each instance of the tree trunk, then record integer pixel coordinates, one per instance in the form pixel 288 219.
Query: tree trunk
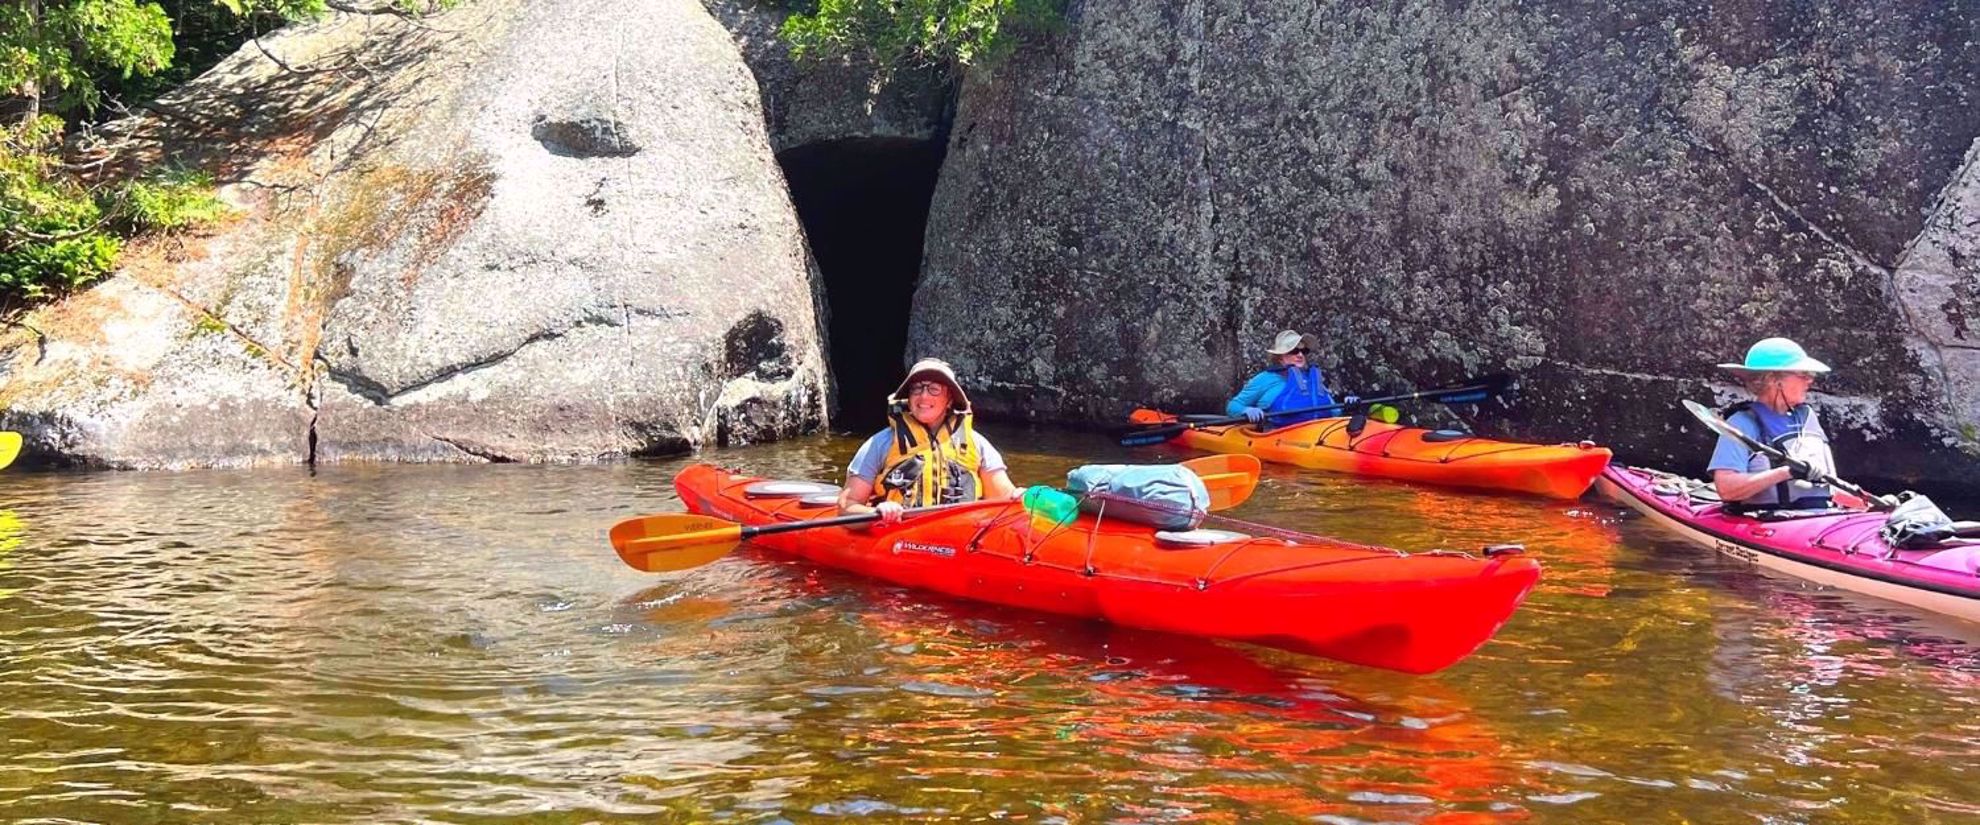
pixel 33 88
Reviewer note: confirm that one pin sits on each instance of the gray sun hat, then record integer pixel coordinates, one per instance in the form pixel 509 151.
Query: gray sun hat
pixel 1285 342
pixel 938 370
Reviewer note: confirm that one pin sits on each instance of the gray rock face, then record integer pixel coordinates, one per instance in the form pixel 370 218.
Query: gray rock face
pixel 496 236
pixel 1938 283
pixel 1610 196
pixel 819 100
pixel 130 376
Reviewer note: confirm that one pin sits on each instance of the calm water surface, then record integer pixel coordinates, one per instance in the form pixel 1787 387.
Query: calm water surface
pixel 459 644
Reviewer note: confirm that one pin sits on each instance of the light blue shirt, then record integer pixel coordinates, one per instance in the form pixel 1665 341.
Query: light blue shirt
pixel 1760 423
pixel 867 462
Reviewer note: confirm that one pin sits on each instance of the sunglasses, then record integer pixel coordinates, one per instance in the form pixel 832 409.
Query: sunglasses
pixel 1300 351
pixel 928 388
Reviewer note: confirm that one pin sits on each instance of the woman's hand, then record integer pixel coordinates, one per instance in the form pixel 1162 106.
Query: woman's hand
pixel 890 511
pixel 1807 472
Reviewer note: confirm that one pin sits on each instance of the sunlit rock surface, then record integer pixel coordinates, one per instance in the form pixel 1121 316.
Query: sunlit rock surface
pixel 518 231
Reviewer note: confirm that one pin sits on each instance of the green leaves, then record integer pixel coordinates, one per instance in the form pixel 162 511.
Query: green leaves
pixel 168 199
pixel 57 236
pixel 51 237
pixel 56 49
pixel 903 33
pixel 57 232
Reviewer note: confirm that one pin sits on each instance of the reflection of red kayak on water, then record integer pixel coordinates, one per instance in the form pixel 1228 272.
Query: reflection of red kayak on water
pixel 1840 548
pixel 1364 605
pixel 1282 740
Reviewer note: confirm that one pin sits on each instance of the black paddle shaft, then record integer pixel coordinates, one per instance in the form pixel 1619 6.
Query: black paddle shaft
pixel 1468 393
pixel 1724 427
pixel 750 531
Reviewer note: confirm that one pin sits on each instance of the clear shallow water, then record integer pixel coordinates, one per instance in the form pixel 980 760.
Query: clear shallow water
pixel 458 644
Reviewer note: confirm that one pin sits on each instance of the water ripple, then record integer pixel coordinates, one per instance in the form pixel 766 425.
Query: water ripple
pixel 414 644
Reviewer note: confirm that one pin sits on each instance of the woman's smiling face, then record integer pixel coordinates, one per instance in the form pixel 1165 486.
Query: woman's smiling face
pixel 928 402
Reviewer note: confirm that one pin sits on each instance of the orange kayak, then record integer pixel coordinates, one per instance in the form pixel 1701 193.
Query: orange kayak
pixel 1372 606
pixel 1407 453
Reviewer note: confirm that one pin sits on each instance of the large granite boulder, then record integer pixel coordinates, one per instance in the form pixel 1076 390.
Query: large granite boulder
pixel 1609 196
pixel 524 230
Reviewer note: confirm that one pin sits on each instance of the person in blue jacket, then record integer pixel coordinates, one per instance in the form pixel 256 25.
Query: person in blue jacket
pixel 1289 382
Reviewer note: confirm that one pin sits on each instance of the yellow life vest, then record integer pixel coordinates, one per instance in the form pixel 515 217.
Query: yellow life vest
pixel 927 467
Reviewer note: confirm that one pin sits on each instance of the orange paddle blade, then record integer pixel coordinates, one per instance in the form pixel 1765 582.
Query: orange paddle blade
pixel 10 448
pixel 1230 477
pixel 665 542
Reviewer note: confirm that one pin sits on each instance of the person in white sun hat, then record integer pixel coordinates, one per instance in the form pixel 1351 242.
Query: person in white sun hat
pixel 1778 373
pixel 929 454
pixel 1289 383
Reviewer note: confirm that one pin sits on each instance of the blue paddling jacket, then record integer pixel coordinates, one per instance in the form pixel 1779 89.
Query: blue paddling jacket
pixel 1280 389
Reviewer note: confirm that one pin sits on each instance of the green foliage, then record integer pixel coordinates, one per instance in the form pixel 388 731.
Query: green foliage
pixel 311 9
pixel 914 32
pixel 57 49
pixel 56 235
pixel 167 200
pixel 63 57
pixel 51 230
pixel 203 33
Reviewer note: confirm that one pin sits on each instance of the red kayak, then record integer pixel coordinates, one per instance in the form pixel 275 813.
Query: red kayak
pixel 1372 606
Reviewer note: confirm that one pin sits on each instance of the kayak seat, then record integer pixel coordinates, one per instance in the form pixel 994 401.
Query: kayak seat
pixel 788 489
pixel 1434 436
pixel 1201 537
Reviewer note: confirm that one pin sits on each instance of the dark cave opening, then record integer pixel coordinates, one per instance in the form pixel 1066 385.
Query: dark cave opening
pixel 864 204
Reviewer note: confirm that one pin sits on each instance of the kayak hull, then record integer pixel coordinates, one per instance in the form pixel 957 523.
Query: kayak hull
pixel 1363 605
pixel 1838 548
pixel 1382 450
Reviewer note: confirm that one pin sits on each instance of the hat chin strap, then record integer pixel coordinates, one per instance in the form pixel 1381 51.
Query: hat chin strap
pixel 1775 393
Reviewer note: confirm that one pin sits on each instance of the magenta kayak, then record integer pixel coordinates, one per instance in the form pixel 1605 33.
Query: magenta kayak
pixel 1840 548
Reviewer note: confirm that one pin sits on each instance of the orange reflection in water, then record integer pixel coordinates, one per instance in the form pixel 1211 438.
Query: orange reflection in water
pixel 1576 542
pixel 1229 732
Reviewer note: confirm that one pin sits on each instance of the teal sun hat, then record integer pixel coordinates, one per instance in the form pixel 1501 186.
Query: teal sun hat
pixel 1777 355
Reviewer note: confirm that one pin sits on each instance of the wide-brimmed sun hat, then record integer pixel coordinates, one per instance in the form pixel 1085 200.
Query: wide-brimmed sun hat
pixel 934 369
pixel 1777 355
pixel 1284 342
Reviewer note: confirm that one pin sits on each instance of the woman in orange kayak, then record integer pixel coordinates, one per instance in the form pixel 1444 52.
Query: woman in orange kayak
pixel 1288 383
pixel 929 454
pixel 1778 373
